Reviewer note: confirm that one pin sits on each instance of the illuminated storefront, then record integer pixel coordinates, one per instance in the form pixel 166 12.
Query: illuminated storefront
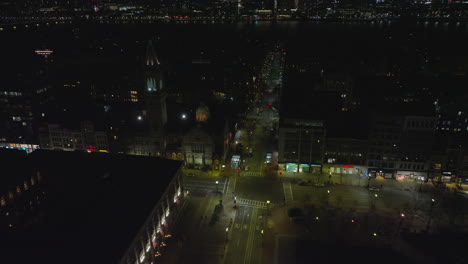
pixel 411 175
pixel 26 147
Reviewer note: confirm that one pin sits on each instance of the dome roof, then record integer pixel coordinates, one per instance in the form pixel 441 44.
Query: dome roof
pixel 202 113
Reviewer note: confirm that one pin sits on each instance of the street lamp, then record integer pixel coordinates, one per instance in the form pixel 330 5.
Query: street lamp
pixel 328 196
pixel 217 186
pixel 399 225
pixel 375 199
pixel 184 116
pixel 430 215
pixel 227 229
pixel 268 207
pixel 262 236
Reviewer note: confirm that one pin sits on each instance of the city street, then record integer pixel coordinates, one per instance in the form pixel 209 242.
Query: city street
pixel 242 216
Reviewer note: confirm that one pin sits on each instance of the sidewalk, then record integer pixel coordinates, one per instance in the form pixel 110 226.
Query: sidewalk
pixel 207 174
pixel 353 180
pixel 186 245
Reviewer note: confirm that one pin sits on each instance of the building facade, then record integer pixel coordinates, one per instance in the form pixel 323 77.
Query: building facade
pixel 198 147
pixel 400 146
pixel 55 137
pixel 301 145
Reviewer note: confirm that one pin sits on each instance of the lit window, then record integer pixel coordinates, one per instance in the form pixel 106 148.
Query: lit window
pixel 2 201
pixel 25 185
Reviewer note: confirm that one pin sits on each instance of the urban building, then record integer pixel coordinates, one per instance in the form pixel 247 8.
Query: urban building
pixel 198 148
pixel 400 146
pixel 198 145
pixel 301 145
pixel 55 137
pixel 416 141
pixel 16 116
pixel 115 208
pixel 155 99
pixel 346 151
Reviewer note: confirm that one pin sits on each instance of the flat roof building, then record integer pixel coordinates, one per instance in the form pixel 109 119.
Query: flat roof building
pixel 78 207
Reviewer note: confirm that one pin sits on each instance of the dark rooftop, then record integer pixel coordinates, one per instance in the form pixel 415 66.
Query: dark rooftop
pixel 95 205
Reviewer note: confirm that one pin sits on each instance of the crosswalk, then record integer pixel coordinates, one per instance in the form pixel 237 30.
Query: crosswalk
pixel 254 203
pixel 251 174
pixel 288 196
pixel 231 186
pixel 205 185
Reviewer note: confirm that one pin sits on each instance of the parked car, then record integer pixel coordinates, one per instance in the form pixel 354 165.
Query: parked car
pixel 190 174
pixel 320 184
pixel 302 183
pixel 374 188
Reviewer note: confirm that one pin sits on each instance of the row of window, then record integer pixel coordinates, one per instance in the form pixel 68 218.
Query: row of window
pixel 162 213
pixel 411 166
pixel 425 124
pixel 11 93
pixel 344 154
pixel 12 194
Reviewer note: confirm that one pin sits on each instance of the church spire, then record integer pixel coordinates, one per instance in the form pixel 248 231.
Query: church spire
pixel 151 58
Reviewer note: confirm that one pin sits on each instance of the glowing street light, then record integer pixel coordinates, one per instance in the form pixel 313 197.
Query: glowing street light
pixel 227 229
pixel 184 116
pixel 217 186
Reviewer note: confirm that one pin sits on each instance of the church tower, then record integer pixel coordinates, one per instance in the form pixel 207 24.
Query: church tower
pixel 155 95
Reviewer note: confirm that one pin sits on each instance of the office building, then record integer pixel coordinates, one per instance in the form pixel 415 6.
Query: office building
pixel 301 145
